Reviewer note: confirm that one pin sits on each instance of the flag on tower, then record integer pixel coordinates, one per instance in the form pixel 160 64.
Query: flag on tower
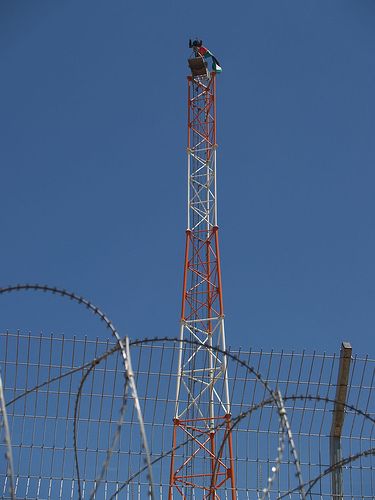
pixel 206 54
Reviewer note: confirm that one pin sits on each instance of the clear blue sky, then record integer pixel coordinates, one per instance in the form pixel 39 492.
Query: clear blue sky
pixel 93 190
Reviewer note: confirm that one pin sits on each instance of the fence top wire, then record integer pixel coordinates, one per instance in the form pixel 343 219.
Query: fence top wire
pixel 48 405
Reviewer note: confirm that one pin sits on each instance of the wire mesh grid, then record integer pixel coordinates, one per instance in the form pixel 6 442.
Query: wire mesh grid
pixel 77 434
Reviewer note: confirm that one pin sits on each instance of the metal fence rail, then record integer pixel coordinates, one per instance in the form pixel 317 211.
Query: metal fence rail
pixel 72 420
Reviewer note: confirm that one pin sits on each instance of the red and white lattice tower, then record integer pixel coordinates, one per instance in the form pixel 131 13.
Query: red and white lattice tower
pixel 202 462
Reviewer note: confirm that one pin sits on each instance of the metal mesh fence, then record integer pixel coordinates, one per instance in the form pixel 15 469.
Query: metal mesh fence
pixel 75 432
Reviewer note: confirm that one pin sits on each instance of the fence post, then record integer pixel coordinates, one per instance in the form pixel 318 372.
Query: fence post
pixel 338 421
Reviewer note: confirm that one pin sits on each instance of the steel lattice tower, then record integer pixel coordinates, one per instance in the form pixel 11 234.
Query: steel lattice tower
pixel 202 464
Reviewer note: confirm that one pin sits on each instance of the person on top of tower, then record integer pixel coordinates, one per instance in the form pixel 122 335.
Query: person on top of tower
pixel 200 50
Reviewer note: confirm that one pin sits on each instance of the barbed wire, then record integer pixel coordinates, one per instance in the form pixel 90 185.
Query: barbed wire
pixel 36 287
pixel 127 363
